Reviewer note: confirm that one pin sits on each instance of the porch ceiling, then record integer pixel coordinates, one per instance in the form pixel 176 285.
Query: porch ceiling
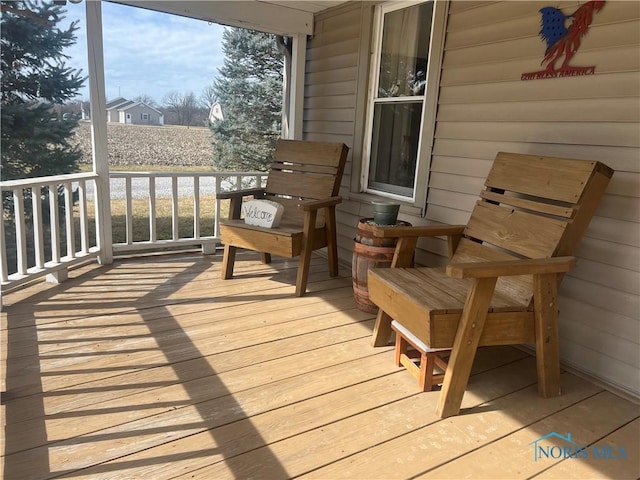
pixel 279 17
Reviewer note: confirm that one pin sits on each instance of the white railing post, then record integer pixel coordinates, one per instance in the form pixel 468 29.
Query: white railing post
pixel 196 207
pixel 174 208
pixel 54 221
pixel 38 234
pixel 128 217
pixel 69 221
pixel 59 275
pixel 4 269
pixel 84 218
pixel 153 235
pixel 216 223
pixel 99 131
pixel 21 232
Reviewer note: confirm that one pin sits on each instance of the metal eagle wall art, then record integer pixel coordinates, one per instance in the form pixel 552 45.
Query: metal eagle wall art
pixel 562 41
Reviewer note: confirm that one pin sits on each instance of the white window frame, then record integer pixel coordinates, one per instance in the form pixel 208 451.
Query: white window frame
pixel 430 102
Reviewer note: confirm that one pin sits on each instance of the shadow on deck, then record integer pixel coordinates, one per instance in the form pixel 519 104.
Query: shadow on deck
pixel 155 368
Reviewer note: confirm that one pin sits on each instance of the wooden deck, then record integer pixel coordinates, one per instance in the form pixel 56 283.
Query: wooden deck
pixel 153 368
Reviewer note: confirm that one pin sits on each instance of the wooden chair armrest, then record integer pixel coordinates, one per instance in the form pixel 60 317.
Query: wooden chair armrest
pixel 309 205
pixel 427 231
pixel 236 197
pixel 511 267
pixel 408 238
pixel 240 193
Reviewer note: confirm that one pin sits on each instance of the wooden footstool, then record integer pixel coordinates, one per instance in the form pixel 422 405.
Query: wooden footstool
pixel 427 358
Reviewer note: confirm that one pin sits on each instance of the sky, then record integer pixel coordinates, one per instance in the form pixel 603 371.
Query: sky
pixel 148 53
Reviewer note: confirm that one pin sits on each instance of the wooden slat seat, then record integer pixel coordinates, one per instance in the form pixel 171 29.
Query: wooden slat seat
pixel 305 178
pixel 505 266
pixel 429 303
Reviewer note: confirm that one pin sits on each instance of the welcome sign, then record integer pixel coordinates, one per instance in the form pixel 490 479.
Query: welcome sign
pixel 262 213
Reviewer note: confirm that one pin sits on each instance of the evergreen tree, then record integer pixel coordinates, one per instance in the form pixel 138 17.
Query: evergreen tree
pixel 34 141
pixel 249 89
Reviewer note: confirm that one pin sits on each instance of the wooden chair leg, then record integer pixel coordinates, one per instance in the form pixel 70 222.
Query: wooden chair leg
pixel 464 346
pixel 303 272
pixel 545 297
pixel 427 362
pixel 228 260
pixel 265 257
pixel 401 349
pixel 305 255
pixel 332 247
pixel 381 330
pixel 402 257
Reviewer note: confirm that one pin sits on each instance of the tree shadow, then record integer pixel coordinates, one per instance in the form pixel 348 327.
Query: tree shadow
pixel 27 450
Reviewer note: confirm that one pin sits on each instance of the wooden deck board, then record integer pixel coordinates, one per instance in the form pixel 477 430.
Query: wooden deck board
pixel 623 441
pixel 155 368
pixel 483 462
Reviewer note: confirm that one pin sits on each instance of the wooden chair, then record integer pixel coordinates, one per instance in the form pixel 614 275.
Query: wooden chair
pixel 305 178
pixel 500 286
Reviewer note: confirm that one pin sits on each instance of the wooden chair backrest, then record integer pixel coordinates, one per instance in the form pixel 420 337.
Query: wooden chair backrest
pixel 305 170
pixel 531 207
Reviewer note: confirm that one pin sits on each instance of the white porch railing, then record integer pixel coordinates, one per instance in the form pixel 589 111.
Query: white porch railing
pixel 27 253
pixel 180 187
pixel 34 244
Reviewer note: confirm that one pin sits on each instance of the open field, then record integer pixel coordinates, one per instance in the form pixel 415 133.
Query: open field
pixel 165 147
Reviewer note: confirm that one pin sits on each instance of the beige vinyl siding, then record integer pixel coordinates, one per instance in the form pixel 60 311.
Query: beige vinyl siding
pixel 335 89
pixel 484 108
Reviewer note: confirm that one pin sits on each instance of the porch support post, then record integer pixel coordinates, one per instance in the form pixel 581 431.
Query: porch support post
pixel 98 99
pixel 296 91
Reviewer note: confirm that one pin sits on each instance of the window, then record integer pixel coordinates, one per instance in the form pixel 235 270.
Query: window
pixel 403 97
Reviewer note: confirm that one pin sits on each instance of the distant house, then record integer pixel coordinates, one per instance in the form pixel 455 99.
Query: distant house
pixel 121 110
pixel 139 113
pixel 113 106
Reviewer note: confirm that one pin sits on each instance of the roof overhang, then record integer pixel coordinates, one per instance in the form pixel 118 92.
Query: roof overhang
pixel 281 18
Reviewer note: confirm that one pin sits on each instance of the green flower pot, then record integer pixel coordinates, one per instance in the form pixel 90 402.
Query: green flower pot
pixel 385 213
